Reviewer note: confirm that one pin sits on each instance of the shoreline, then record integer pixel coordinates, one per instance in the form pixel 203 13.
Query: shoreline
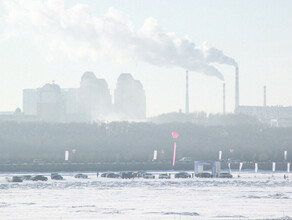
pixel 126 166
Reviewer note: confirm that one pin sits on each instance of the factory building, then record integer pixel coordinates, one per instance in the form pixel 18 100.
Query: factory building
pixel 272 115
pixel 130 100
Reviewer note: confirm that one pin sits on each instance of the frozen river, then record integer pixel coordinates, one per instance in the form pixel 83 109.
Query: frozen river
pixel 250 196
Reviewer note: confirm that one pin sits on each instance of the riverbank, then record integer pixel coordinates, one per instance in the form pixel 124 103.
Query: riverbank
pixel 123 166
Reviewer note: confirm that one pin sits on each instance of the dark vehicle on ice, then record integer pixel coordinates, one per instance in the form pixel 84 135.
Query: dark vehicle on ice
pixel 14 179
pixel 113 175
pixel 26 177
pixel 203 175
pixel 148 176
pixel 56 176
pixel 127 175
pixel 81 176
pixel 103 174
pixel 164 176
pixel 225 175
pixel 182 175
pixel 39 177
pixel 140 174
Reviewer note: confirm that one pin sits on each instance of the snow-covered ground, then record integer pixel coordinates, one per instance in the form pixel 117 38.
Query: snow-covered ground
pixel 250 196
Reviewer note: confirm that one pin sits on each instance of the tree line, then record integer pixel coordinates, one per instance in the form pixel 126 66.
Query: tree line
pixel 128 142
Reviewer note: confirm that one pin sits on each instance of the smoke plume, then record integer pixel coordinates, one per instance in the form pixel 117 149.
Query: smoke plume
pixel 78 34
pixel 213 55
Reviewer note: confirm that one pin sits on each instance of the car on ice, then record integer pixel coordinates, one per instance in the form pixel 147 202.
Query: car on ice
pixel 204 175
pixel 225 175
pixel 148 176
pixel 127 175
pixel 56 176
pixel 164 176
pixel 103 174
pixel 14 179
pixel 182 175
pixel 140 174
pixel 113 175
pixel 81 176
pixel 39 177
pixel 26 177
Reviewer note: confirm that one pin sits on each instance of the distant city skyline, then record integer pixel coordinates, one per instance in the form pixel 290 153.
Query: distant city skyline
pixel 36 48
pixel 90 102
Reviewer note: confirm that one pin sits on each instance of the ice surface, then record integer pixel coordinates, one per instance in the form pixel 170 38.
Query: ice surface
pixel 250 196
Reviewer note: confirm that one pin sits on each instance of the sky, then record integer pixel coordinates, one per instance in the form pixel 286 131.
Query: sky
pixel 155 41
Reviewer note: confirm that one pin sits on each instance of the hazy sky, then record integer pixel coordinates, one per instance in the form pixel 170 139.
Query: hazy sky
pixel 41 41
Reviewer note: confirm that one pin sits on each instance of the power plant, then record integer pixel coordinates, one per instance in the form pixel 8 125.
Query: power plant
pixel 93 102
pixel 272 115
pixel 223 100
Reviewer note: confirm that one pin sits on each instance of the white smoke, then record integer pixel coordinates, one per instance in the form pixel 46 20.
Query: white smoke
pixel 213 55
pixel 78 34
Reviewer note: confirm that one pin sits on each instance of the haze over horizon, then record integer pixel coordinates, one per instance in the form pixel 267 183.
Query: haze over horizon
pixel 41 41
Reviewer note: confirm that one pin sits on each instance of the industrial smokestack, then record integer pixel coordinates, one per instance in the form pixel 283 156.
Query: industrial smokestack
pixel 265 97
pixel 224 98
pixel 236 88
pixel 187 92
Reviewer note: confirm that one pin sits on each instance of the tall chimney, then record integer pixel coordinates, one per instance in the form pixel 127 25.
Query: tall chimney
pixel 187 92
pixel 224 98
pixel 236 88
pixel 265 96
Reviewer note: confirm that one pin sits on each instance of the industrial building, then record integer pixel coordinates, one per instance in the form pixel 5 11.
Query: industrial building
pixel 272 115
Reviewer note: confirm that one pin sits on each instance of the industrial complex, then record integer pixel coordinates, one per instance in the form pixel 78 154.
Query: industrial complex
pixel 93 102
pixel 275 116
